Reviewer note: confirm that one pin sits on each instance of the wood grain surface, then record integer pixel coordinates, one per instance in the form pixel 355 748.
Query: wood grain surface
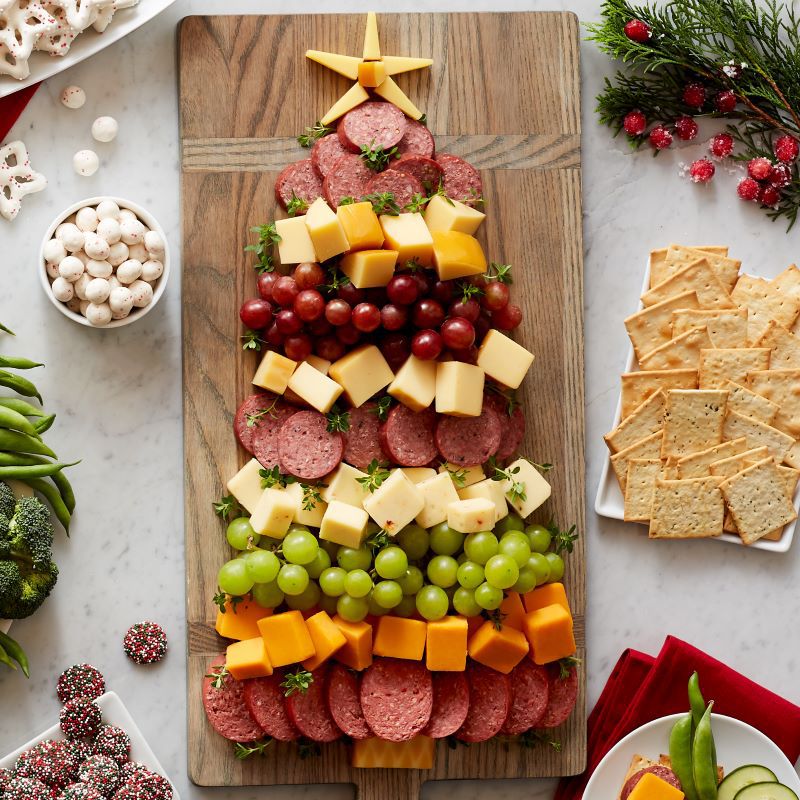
pixel 504 92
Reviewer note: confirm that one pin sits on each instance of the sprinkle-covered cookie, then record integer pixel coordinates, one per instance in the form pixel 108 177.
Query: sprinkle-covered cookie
pixel 25 789
pixel 145 643
pixel 113 742
pixel 80 680
pixel 80 718
pixel 100 772
pixel 80 791
pixel 51 761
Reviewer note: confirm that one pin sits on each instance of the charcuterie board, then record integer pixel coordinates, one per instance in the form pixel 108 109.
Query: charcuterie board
pixel 504 93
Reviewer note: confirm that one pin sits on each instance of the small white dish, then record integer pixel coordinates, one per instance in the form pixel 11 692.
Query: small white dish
pixel 737 744
pixel 114 713
pixel 148 219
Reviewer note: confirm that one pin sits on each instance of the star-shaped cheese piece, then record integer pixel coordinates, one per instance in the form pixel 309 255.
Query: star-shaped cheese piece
pixel 16 179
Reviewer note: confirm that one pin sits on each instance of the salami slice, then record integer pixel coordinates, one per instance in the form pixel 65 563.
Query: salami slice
pixel 248 416
pixel 427 171
pixel 407 436
pixel 450 704
pixel 348 177
pixel 265 434
pixel 469 440
pixel 530 691
pixel 563 697
pixel 397 698
pixel 513 426
pixel 489 701
pixel 362 442
pixel 659 770
pixel 298 180
pixel 401 184
pixel 309 711
pixel 226 709
pixel 461 180
pixel 417 139
pixel 344 702
pixel 372 124
pixel 326 152
pixel 306 449
pixel 267 705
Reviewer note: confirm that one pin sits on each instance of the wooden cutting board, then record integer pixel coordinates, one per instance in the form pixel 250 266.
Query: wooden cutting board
pixel 504 92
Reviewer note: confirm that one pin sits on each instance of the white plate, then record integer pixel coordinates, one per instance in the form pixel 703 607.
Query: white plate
pixel 126 20
pixel 114 713
pixel 737 744
pixel 610 501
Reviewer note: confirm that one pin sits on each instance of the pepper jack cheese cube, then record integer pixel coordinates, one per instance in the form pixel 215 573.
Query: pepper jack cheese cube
pixel 414 385
pixel 459 389
pixel 325 230
pixel 362 373
pixel 245 485
pixel 442 214
pixel 409 236
pixel 316 389
pixel 274 513
pixel 274 371
pixel 503 359
pixel 471 516
pixel 418 474
pixel 295 245
pixel 438 492
pixel 489 490
pixel 457 255
pixel 395 503
pixel 344 524
pixel 361 226
pixel 463 476
pixel 537 489
pixel 300 497
pixel 368 269
pixel 344 486
pixel 371 73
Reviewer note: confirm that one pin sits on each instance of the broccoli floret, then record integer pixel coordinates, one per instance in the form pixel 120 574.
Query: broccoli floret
pixel 7 500
pixel 10 583
pixel 31 531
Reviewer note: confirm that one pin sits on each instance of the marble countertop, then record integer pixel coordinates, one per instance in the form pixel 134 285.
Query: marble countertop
pixel 118 398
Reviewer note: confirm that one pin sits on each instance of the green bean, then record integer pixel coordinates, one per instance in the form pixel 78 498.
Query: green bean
pixel 680 753
pixel 59 479
pixel 53 497
pixel 20 473
pixel 21 460
pixel 22 443
pixel 65 489
pixel 19 384
pixel 4 659
pixel 21 407
pixel 704 767
pixel 13 648
pixel 14 362
pixel 6 330
pixel 15 421
pixel 44 424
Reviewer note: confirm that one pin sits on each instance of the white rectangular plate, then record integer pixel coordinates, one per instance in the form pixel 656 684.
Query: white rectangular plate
pixel 610 501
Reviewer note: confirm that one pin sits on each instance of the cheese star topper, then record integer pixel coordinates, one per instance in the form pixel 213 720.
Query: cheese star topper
pixel 372 71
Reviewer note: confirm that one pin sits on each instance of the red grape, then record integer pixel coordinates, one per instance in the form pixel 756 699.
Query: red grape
pixel 458 333
pixel 288 322
pixel 468 309
pixel 309 305
pixel 424 283
pixel 469 355
pixel 309 275
pixel 338 312
pixel 426 345
pixel 443 291
pixel 402 289
pixel 284 291
pixel 395 348
pixel 256 314
pixel 329 348
pixel 394 317
pixel 320 327
pixel 347 334
pixel 350 294
pixel 482 325
pixel 298 347
pixel 507 318
pixel 265 282
pixel 495 296
pixel 427 313
pixel 274 336
pixel 366 317
pixel 376 296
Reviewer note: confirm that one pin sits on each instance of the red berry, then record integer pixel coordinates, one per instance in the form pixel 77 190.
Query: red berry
pixel 469 309
pixel 770 196
pixel 366 317
pixel 284 291
pixel 256 314
pixel 427 313
pixel 660 138
pixel 309 275
pixel 686 128
pixel 634 123
pixel 725 101
pixel 507 318
pixel 298 347
pixel 402 289
pixel 265 283
pixel 458 333
pixel 309 305
pixel 781 176
pixel 393 317
pixel 748 189
pixel 637 31
pixel 426 345
pixel 759 168
pixel 721 145
pixel 702 171
pixel 329 348
pixel 694 95
pixel 786 148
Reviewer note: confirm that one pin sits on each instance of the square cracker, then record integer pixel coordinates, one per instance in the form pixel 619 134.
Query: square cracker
pixel 788 281
pixel 645 420
pixel 638 386
pixel 692 421
pixel 727 269
pixel 698 277
pixel 719 366
pixel 650 447
pixel 790 476
pixel 782 387
pixel 750 404
pixel 764 302
pixel 758 501
pixel 658 271
pixel 681 353
pixel 792 458
pixel 757 434
pixel 728 467
pixel 784 344
pixel 696 465
pixel 727 327
pixel 639 487
pixel 652 327
pixel 688 509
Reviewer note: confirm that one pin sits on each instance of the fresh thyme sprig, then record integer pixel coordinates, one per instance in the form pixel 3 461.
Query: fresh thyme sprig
pixel 376 157
pixel 274 477
pixel 382 407
pixel 311 496
pixel 298 681
pixel 516 490
pixel 417 203
pixel 252 419
pixel 243 751
pixel 336 279
pixel 376 475
pixel 217 676
pixel 383 203
pixel 338 420
pixel 251 340
pixel 316 131
pixel 499 272
pixel 296 205
pixel 267 237
pixel 532 738
pixel 563 541
pixel 566 665
pixel 225 506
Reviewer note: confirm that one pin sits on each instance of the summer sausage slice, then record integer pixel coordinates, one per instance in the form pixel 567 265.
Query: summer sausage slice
pixel 427 171
pixel 489 701
pixel 659 770
pixel 249 415
pixel 362 442
pixel 344 702
pixel 563 697
pixel 469 440
pixel 513 426
pixel 326 152
pixel 372 124
pixel 450 704
pixel 309 711
pixel 417 140
pixel 530 691
pixel 267 705
pixel 226 709
pixel 401 184
pixel 407 436
pixel 306 449
pixel 348 177
pixel 397 698
pixel 461 180
pixel 265 434
pixel 298 180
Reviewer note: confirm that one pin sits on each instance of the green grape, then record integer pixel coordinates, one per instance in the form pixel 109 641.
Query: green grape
pixel 349 558
pixel 470 575
pixel 331 581
pixel 481 546
pixel 307 599
pixel 488 597
pixel 541 568
pixel 406 607
pixel 464 602
pixel 501 571
pixel 321 562
pixel 391 562
pixel 516 545
pixel 240 534
pixel 327 604
pixel 295 527
pixel 262 565
pixel 539 537
pixel 387 594
pixel 513 522
pixel 300 546
pixel 526 580
pixel 556 567
pixel 292 579
pixel 444 540
pixel 267 595
pixel 432 602
pixel 412 581
pixel 331 548
pixel 234 579
pixel 357 583
pixel 374 608
pixel 442 571
pixel 353 609
pixel 461 558
pixel 414 540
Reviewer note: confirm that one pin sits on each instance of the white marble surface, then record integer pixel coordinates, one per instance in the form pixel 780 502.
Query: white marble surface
pixel 117 395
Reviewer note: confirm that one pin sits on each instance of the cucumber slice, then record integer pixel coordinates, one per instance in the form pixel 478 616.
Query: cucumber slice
pixel 744 776
pixel 766 791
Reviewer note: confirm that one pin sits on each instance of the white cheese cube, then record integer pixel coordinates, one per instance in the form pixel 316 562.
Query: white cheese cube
pixel 463 476
pixel 536 491
pixel 274 513
pixel 438 492
pixel 503 359
pixel 471 516
pixel 295 245
pixel 395 503
pixel 459 389
pixel 325 230
pixel 451 215
pixel 362 373
pixel 414 385
pixel 344 486
pixel 302 497
pixel 316 389
pixel 409 236
pixel 344 524
pixel 274 371
pixel 245 485
pixel 418 474
pixel 489 490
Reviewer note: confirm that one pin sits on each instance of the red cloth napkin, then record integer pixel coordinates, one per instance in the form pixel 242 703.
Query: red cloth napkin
pixel 12 106
pixel 642 688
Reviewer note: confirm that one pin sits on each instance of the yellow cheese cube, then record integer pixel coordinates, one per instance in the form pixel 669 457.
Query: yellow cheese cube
pixel 274 513
pixel 446 645
pixel 361 226
pixel 418 474
pixel 316 389
pixel 471 516
pixel 414 385
pixel 353 97
pixel 362 373
pixel 369 268
pixel 320 364
pixel 307 510
pixel 395 503
pixel 651 787
pixel 274 371
pixel 463 476
pixel 437 492
pixel 409 236
pixel 372 47
pixel 248 659
pixel 344 486
pixel 457 255
pixel 287 638
pixel 503 359
pixel 396 637
pixel 295 245
pixel 537 489
pixel 325 230
pixel 442 214
pixel 371 73
pixel 245 485
pixel 459 389
pixel 344 524
pixel 489 490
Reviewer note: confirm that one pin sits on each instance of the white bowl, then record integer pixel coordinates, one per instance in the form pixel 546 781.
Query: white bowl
pixel 150 221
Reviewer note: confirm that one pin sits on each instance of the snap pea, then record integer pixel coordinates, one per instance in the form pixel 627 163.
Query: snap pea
pixel 44 424
pixel 53 497
pixel 698 705
pixel 14 362
pixel 680 753
pixel 15 421
pixel 19 384
pixel 704 766
pixel 22 443
pixel 13 649
pixel 20 473
pixel 6 659
pixel 21 407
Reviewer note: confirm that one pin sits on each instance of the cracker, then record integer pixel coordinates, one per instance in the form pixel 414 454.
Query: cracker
pixel 639 487
pixel 782 387
pixel 644 421
pixel 788 281
pixel 638 386
pixel 687 509
pixel 727 327
pixel 792 458
pixel 791 477
pixel 757 434
pixel 681 353
pixel 728 467
pixel 650 447
pixel 652 327
pixel 764 302
pixel 698 277
pixel 692 421
pixel 659 273
pixel 696 465
pixel 784 344
pixel 750 404
pixel 727 269
pixel 719 366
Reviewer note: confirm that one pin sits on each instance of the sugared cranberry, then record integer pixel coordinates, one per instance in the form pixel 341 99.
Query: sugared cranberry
pixel 748 189
pixel 725 101
pixel 721 145
pixel 694 95
pixel 781 176
pixel 635 123
pixel 702 171
pixel 787 148
pixel 686 128
pixel 770 196
pixel 660 138
pixel 759 168
pixel 637 31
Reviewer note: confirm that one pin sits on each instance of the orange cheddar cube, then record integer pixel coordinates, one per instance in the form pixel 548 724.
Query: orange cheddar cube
pixel 416 753
pixel 327 639
pixel 446 644
pixel 356 652
pixel 397 637
pixel 549 631
pixel 499 649
pixel 547 595
pixel 512 611
pixel 361 226
pixel 248 659
pixel 287 638
pixel 241 621
pixel 371 73
pixel 651 787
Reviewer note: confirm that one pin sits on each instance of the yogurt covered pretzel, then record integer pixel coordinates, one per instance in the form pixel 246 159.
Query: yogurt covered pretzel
pixel 22 24
pixel 17 179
